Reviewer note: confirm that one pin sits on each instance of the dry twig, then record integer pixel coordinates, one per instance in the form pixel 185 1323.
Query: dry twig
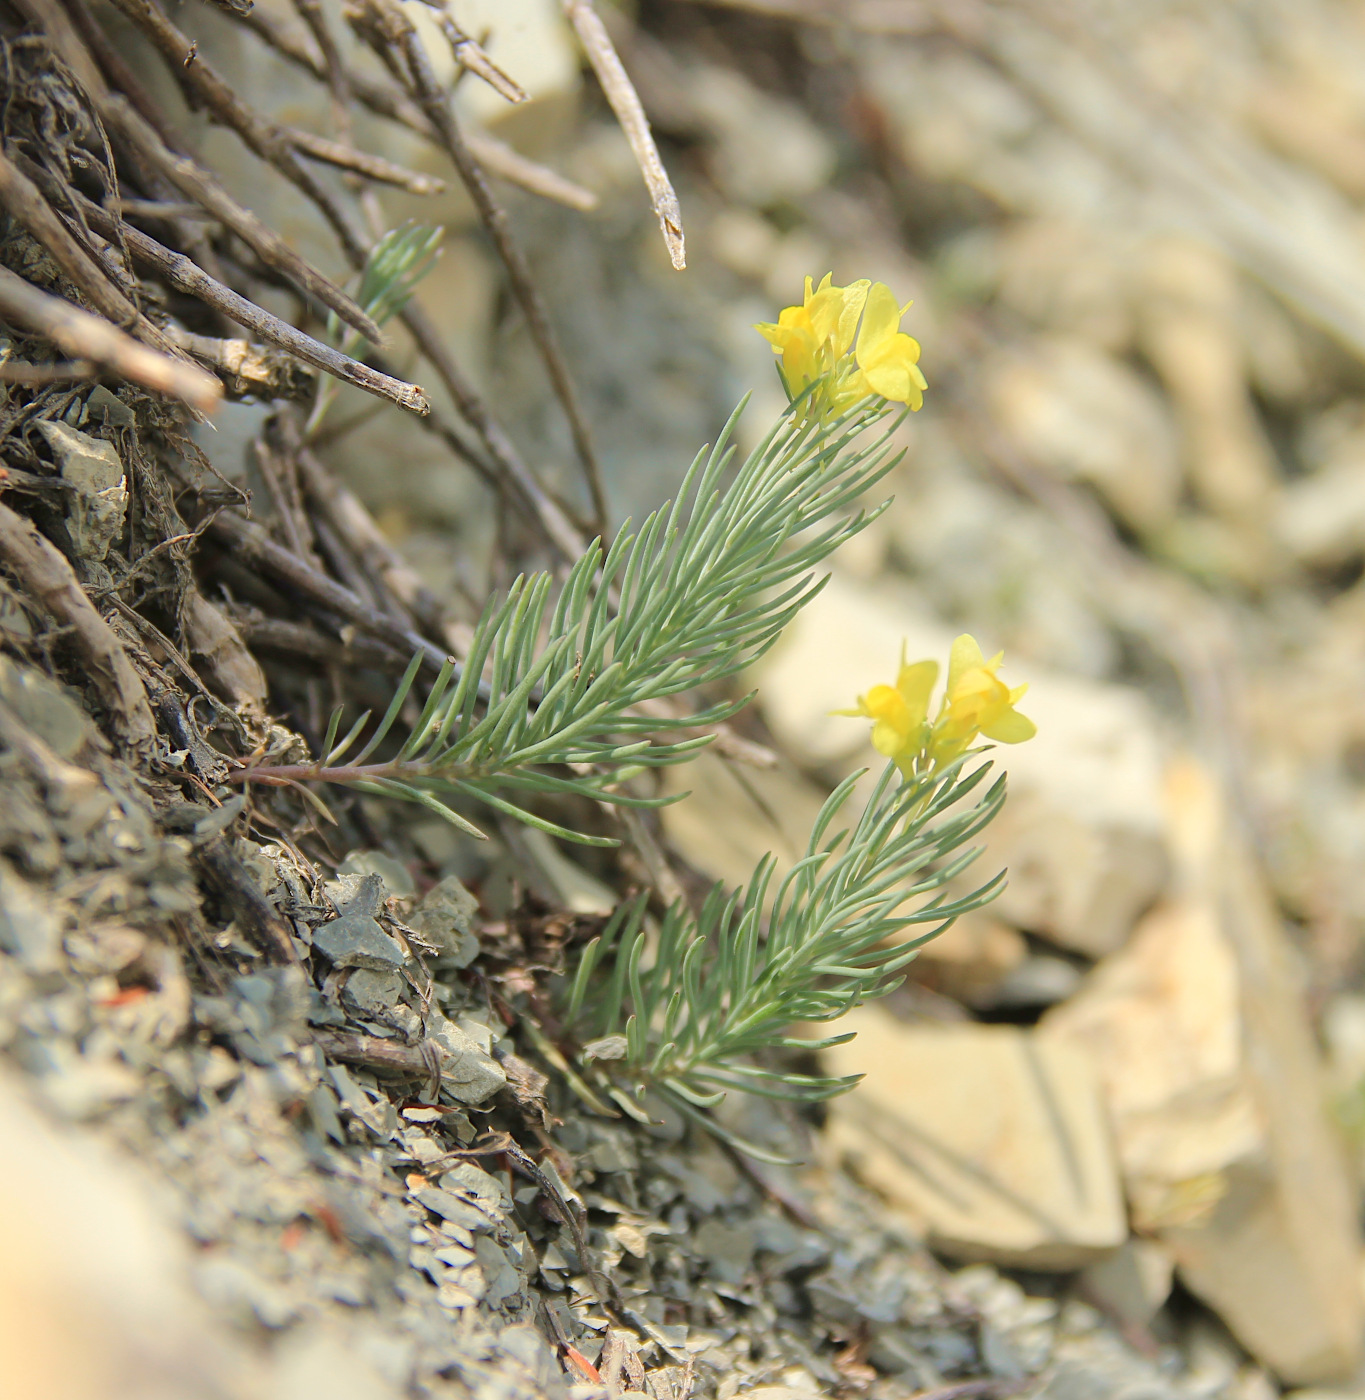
pixel 146 136
pixel 251 543
pixel 362 163
pixel 471 56
pixel 183 274
pixel 204 86
pixel 26 203
pixel 85 337
pixel 390 31
pixel 498 158
pixel 50 581
pixel 625 102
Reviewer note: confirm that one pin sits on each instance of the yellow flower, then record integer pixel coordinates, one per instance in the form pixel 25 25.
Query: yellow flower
pixel 975 702
pixel 887 357
pixel 821 340
pixel 901 712
pixel 814 337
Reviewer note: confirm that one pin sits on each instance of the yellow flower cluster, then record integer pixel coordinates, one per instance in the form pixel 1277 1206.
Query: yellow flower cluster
pixel 822 341
pixel 975 702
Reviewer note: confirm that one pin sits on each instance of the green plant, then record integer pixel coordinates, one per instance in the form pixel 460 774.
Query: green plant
pixel 567 694
pixel 683 1013
pixel 562 695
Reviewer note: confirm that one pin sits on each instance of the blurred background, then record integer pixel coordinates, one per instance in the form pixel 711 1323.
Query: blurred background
pixel 1134 239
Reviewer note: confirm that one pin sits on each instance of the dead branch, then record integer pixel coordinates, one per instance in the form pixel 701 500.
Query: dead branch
pixel 540 506
pixel 354 524
pixel 497 158
pixel 472 57
pixel 389 27
pixel 85 337
pixel 625 102
pixel 26 204
pixel 251 543
pixel 253 369
pixel 148 141
pixel 372 1053
pixel 49 579
pixel 362 163
pixel 35 376
pixel 297 640
pixel 183 274
pixel 205 87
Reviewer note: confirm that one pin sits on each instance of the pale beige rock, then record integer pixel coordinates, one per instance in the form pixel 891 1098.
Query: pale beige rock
pixel 1321 515
pixel 1163 1023
pixel 990 1138
pixel 735 815
pixel 1082 834
pixel 1216 1096
pixel 1089 417
pixel 1191 335
pixel 94 1290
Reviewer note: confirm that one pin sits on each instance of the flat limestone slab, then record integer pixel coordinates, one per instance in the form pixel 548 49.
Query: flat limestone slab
pixel 993 1139
pixel 1215 1090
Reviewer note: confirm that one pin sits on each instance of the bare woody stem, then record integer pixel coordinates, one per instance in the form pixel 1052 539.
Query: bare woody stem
pixel 284 774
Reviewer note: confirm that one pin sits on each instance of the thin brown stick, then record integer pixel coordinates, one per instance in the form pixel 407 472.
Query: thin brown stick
pixel 251 543
pixel 498 158
pixel 558 528
pixel 26 203
pixel 392 26
pixel 156 209
pixel 296 639
pixel 50 580
pixel 362 163
pixel 354 524
pixel 281 480
pixel 79 334
pixel 253 369
pixel 313 15
pixel 183 274
pixel 195 183
pixel 625 102
pixel 204 86
pixel 471 56
pixel 372 1053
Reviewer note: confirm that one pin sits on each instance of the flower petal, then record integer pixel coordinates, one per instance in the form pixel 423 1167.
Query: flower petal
pixel 881 320
pixel 965 656
pixel 855 298
pixel 916 684
pixel 1010 728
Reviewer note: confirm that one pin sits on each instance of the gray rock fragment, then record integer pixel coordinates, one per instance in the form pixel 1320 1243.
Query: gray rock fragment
pixel 46 708
pixel 503 1280
pixel 444 920
pixel 391 872
pixel 468 1072
pixel 451 1208
pixel 371 992
pixel 101 497
pixel 356 940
